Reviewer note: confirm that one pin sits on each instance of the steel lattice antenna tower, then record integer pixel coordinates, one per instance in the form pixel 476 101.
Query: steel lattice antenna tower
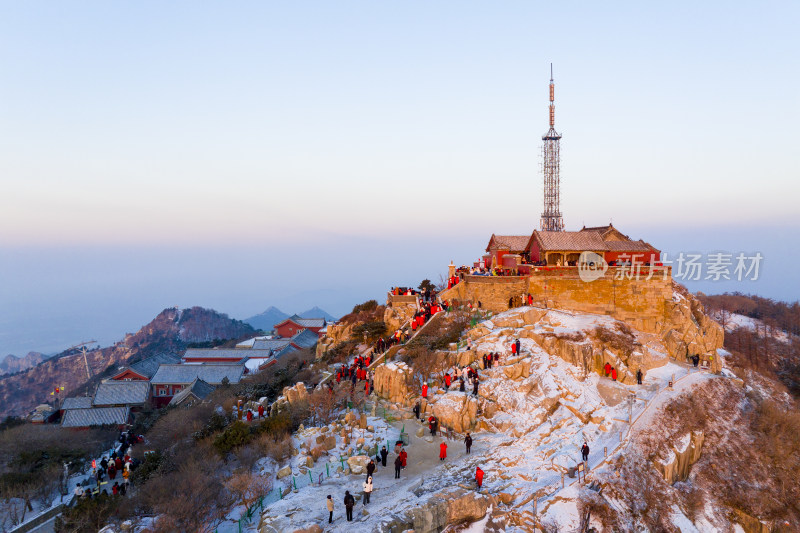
pixel 551 216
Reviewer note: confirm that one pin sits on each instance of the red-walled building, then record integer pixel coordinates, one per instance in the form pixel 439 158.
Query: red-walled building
pixel 146 368
pixel 295 324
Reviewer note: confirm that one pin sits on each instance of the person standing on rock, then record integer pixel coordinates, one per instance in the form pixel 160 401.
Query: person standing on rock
pixel 424 390
pixel 416 410
pixel 479 477
pixel 468 441
pixel 607 368
pixel 513 348
pixel 398 464
pixel 461 386
pixel 639 376
pixel 475 386
pixel 329 503
pixel 349 502
pixel 443 451
pixel 384 455
pixel 614 374
pixel 517 345
pixel 585 452
pixel 447 381
pixel 367 489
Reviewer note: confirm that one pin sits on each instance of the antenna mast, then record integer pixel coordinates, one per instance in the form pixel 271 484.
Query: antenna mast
pixel 551 216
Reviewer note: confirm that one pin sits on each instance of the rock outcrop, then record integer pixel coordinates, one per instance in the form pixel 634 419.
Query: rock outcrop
pixel 393 382
pixel 678 460
pixel 455 410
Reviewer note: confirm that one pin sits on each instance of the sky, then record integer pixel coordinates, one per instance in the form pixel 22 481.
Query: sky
pixel 238 156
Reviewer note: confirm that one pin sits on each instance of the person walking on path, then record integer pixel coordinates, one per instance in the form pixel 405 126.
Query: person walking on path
pixel 349 502
pixel 614 374
pixel 468 441
pixel 367 489
pixel 639 376
pixel 384 455
pixel 416 410
pixel 329 503
pixel 607 368
pixel 443 451
pixel 370 468
pixel 479 477
pixel 585 452
pixel 398 464
pixel 403 457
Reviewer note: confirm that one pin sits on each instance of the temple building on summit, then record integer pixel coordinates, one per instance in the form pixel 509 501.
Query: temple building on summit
pixel 563 248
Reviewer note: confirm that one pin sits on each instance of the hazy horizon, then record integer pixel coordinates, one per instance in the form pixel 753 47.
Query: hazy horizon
pixel 242 156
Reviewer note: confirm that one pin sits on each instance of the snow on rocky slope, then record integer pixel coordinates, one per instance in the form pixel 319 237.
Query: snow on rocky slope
pixel 533 412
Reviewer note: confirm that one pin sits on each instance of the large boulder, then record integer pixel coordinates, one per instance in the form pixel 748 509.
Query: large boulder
pixel 358 464
pixel 393 382
pixel 456 410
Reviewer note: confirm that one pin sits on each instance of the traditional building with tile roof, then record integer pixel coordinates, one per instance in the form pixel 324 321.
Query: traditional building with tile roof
pixel 170 379
pixel 295 324
pixel 96 416
pixel 195 392
pixel 113 393
pixel 145 369
pixel 79 402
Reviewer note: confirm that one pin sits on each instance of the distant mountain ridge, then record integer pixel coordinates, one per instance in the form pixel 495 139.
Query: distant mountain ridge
pixel 266 321
pixel 11 363
pixel 171 331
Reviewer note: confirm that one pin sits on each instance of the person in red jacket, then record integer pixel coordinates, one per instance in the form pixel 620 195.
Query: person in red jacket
pixel 607 368
pixel 479 477
pixel 260 411
pixel 424 390
pixel 403 457
pixel 513 348
pixel 249 415
pixel 447 380
pixel 443 451
pixel 614 374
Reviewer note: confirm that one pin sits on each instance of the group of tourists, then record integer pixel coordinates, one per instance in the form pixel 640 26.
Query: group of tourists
pixel 610 371
pixel 357 371
pixel 116 467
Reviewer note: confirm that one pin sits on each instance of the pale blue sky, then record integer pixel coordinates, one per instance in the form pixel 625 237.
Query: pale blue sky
pixel 192 138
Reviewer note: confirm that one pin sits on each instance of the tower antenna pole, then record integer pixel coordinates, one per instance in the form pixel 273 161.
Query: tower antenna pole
pixel 551 151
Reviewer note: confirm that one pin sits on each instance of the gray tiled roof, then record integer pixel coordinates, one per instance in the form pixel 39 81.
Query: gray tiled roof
pixel 285 350
pixel 95 416
pixel 234 354
pixel 270 344
pixel 81 402
pixel 513 243
pixel 305 339
pixel 628 246
pixel 122 393
pixel 306 322
pixel 212 373
pixel 577 241
pixel 147 367
pixel 199 389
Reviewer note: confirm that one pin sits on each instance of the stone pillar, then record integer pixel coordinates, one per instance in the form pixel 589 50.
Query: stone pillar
pixel 451 270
